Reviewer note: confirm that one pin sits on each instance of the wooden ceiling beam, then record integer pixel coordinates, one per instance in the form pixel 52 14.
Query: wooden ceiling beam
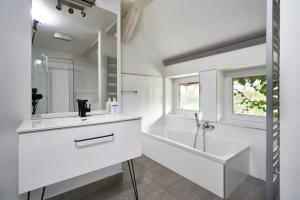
pixel 132 18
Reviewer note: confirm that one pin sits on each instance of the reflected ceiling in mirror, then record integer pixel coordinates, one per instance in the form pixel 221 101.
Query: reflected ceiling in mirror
pixel 65 56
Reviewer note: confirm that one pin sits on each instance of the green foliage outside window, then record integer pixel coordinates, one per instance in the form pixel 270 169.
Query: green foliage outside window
pixel 249 95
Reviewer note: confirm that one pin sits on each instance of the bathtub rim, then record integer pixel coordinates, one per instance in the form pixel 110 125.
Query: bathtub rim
pixel 220 159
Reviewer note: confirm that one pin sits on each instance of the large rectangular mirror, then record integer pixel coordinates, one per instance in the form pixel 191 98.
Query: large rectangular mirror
pixel 74 55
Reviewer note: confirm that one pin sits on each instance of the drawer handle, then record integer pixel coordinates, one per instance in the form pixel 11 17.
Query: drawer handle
pixel 94 138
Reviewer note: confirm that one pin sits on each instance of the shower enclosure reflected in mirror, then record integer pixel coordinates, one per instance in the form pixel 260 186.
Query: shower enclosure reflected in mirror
pixel 73 53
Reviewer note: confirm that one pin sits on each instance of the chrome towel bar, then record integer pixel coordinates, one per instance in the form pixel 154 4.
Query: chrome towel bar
pixel 130 91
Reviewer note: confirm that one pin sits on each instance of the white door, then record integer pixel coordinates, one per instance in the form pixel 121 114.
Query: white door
pixel 59 87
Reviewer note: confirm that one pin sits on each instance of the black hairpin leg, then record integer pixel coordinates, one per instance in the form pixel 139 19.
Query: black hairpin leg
pixel 132 176
pixel 28 195
pixel 43 193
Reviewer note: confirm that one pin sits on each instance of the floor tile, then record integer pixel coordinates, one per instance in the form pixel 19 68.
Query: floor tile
pixel 156 182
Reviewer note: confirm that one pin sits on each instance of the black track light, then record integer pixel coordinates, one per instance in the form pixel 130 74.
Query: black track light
pixel 71 10
pixel 69 4
pixel 58 6
pixel 34 24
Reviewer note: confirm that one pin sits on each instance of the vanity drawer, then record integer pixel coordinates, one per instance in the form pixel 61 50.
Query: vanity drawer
pixel 52 156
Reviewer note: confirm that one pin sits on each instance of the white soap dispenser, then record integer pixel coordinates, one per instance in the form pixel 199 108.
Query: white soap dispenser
pixel 114 106
pixel 108 105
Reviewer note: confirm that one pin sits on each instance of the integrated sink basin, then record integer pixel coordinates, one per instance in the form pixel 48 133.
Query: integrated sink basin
pixel 65 122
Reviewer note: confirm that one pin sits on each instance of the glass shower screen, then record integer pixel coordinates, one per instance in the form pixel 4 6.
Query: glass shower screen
pixel 53 79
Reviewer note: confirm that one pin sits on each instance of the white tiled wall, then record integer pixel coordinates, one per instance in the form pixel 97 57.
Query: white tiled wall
pixel 208 95
pixel 148 102
pixel 142 70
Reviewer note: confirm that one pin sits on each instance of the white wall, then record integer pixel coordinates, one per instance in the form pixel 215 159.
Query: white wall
pixel 168 95
pixel 139 58
pixel 147 102
pixel 111 5
pixel 246 57
pixel 15 77
pixel 289 100
pixel 115 7
pixel 109 47
pixel 142 71
pixel 208 95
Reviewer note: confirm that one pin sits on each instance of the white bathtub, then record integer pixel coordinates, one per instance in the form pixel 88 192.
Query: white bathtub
pixel 220 169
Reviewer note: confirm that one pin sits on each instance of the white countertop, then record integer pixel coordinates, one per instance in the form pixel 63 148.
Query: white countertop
pixel 66 122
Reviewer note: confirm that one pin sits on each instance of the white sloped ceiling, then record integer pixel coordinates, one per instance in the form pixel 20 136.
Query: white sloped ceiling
pixel 173 27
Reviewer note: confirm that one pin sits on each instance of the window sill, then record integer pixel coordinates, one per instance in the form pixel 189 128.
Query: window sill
pixel 184 116
pixel 244 124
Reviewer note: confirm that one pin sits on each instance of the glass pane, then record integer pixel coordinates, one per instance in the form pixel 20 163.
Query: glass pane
pixel 39 82
pixel 249 95
pixel 189 96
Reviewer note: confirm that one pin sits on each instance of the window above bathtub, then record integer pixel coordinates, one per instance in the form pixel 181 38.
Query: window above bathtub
pixel 249 95
pixel 188 96
pixel 186 90
pixel 245 95
pixel 183 97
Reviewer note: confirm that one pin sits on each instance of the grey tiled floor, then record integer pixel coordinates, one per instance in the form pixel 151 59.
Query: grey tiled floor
pixel 156 182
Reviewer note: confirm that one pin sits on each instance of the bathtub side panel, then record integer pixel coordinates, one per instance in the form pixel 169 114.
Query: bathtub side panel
pixel 202 171
pixel 236 171
pixel 152 148
pixel 211 176
pixel 181 161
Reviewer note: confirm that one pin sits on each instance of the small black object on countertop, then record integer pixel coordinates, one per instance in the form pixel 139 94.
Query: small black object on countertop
pixel 35 100
pixel 83 108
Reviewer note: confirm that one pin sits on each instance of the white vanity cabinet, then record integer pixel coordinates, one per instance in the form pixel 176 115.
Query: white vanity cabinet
pixel 48 156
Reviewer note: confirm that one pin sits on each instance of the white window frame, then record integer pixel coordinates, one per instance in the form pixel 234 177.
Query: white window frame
pixel 229 115
pixel 176 103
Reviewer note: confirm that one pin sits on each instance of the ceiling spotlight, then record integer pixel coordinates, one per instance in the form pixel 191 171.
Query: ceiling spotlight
pixel 75 4
pixel 58 6
pixel 71 10
pixel 83 14
pixel 37 62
